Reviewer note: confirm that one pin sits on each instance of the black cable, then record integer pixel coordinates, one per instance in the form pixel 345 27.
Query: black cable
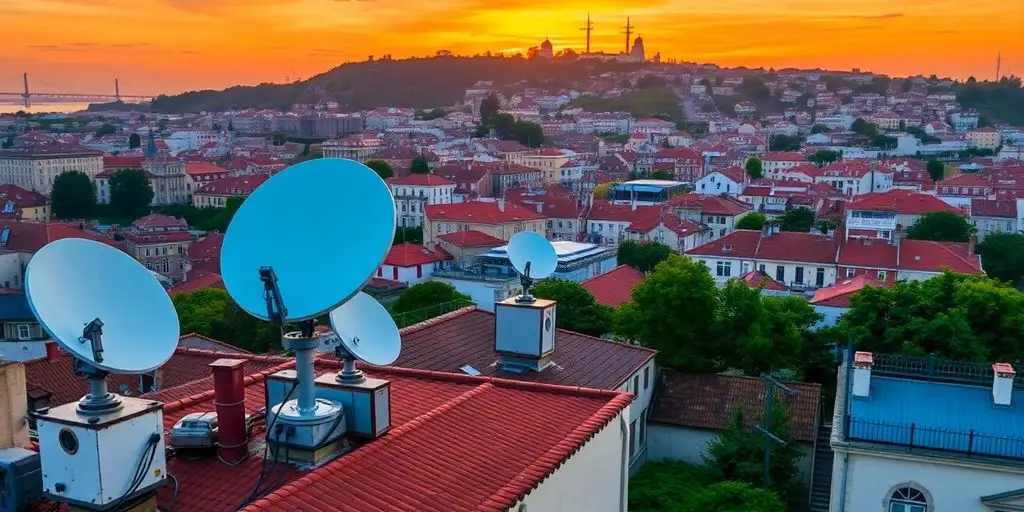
pixel 266 448
pixel 174 497
pixel 280 474
pixel 141 470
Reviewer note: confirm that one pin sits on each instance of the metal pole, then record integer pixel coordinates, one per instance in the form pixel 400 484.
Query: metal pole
pixel 769 405
pixel 304 374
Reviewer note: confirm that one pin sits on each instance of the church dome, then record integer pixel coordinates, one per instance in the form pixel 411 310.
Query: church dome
pixel 639 41
pixel 546 44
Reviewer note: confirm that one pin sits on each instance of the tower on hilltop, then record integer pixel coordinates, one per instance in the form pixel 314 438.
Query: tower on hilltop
pixel 588 28
pixel 629 32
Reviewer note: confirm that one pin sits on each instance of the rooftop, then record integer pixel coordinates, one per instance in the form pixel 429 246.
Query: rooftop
pixel 615 287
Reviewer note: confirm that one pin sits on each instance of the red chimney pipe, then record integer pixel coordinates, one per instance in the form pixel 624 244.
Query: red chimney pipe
pixel 52 351
pixel 229 396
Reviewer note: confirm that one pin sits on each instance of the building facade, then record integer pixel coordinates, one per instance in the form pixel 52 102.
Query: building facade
pixel 161 243
pixel 35 167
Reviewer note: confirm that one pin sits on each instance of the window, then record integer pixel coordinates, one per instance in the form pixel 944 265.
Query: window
pixel 632 445
pixel 744 268
pixel 799 275
pixel 643 430
pixel 780 273
pixel 761 267
pixel 881 275
pixel 636 384
pixel 907 499
pixel 819 278
pixel 723 268
pixel 647 377
pixel 24 332
pixel 850 272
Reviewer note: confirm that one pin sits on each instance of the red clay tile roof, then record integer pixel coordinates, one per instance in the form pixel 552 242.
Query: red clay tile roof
pixel 756 278
pixel 615 287
pixel 466 336
pixel 928 256
pixel 710 204
pixel 197 280
pixel 486 212
pixel 783 246
pixel 555 202
pixel 410 255
pixel 32 236
pixel 158 220
pixel 838 295
pixel 902 201
pixel 994 208
pixel 21 198
pixel 186 365
pixel 783 156
pixel 235 186
pixel 421 180
pixel 197 169
pixel 122 162
pixel 868 253
pixel 457 443
pixel 707 401
pixel 471 238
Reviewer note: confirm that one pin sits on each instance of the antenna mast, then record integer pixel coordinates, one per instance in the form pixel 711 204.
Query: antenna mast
pixel 628 31
pixel 771 385
pixel 999 65
pixel 588 28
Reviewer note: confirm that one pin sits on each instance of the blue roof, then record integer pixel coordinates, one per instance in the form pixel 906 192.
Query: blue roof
pixel 939 415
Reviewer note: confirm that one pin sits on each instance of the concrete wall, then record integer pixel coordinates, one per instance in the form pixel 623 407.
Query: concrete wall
pixel 594 479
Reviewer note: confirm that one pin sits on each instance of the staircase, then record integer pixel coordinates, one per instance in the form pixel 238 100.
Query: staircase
pixel 821 480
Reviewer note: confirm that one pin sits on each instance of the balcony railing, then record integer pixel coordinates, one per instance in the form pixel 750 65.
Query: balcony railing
pixel 935 368
pixel 870 222
pixel 912 436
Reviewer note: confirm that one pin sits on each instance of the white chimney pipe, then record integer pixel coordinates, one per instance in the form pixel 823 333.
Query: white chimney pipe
pixel 501 205
pixel 862 363
pixel 1002 383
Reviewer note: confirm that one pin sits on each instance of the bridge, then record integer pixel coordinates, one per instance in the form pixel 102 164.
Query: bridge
pixel 26 96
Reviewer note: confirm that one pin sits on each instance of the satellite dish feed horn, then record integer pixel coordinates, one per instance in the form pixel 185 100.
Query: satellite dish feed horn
pixel 533 257
pixel 105 309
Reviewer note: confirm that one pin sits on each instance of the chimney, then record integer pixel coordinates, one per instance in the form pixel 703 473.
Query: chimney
pixel 862 363
pixel 524 333
pixel 229 396
pixel 13 406
pixel 1002 383
pixel 540 207
pixel 52 351
pixel 501 204
pixel 971 241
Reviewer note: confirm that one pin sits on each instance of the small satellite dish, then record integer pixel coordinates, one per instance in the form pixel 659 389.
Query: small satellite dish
pixel 328 343
pixel 529 248
pixel 76 286
pixel 366 330
pixel 318 230
pixel 126 390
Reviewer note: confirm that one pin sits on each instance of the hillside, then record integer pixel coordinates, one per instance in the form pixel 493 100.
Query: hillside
pixel 1001 101
pixel 416 83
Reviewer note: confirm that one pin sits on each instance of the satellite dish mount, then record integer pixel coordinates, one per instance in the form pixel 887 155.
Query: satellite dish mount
pixel 302 342
pixel 99 400
pixel 527 282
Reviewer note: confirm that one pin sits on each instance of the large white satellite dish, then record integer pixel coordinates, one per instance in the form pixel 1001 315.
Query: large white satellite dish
pixel 366 330
pixel 533 257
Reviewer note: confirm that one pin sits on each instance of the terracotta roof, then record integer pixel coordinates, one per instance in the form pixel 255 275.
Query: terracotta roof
pixel 783 156
pixel 409 255
pixel 783 246
pixel 554 202
pixel 756 278
pixel 421 180
pixel 186 365
pixel 901 201
pixel 21 198
pixel 928 256
pixel 123 162
pixel 466 337
pixel 707 401
pixel 201 168
pixel 457 443
pixel 486 212
pixel 158 220
pixel 868 252
pixel 471 238
pixel 993 208
pixel 838 295
pixel 197 280
pixel 710 204
pixel 32 236
pixel 614 287
pixel 234 186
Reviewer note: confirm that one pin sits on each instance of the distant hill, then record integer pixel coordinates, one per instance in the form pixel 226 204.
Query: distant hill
pixel 1001 101
pixel 416 83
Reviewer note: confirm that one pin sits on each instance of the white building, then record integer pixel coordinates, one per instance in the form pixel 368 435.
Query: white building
pixel 35 167
pixel 415 192
pixel 964 121
pixel 729 181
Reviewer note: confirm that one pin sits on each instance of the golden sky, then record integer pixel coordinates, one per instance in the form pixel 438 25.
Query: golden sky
pixel 157 46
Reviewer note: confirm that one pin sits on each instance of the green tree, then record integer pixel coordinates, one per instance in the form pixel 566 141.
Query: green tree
pixel 211 312
pixel 73 196
pixel 643 256
pixel 134 141
pixel 130 193
pixel 419 166
pixel 426 300
pixel 798 219
pixel 106 129
pixel 528 133
pixel 1002 256
pixel 753 220
pixel 676 486
pixel 8 142
pixel 489 108
pixel 940 227
pixel 780 142
pixel 737 454
pixel 382 168
pixel 279 138
pixel 577 309
pixel 823 157
pixel 661 174
pixel 732 496
pixel 819 128
pixel 755 169
pixel 678 289
pixel 936 170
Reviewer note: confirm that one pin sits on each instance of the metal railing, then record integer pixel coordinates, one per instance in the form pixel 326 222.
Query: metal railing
pixel 935 368
pixel 407 318
pixel 912 436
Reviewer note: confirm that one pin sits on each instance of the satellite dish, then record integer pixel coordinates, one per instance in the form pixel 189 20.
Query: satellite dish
pixel 366 330
pixel 529 248
pixel 328 343
pixel 126 390
pixel 322 227
pixel 76 286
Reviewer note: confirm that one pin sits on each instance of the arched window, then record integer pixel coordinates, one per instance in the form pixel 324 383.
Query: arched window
pixel 907 499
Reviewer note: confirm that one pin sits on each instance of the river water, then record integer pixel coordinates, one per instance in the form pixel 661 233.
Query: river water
pixel 40 108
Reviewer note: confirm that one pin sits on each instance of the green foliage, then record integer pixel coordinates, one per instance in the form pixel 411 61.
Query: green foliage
pixel 382 168
pixel 211 312
pixel 616 139
pixel 419 166
pixel 73 196
pixel 1000 101
pixel 661 174
pixel 660 101
pixel 426 300
pixel 413 235
pixel 754 168
pixel 954 316
pixel 603 191
pixel 8 142
pixel 675 486
pixel 918 132
pixel 130 193
pixel 737 454
pixel 1002 256
pixel 489 108
pixel 823 157
pixel 936 170
pixel 780 142
pixel 940 227
pixel 106 129
pixel 642 256
pixel 134 141
pixel 753 220
pixel 430 115
pixel 577 309
pixel 207 218
pixel 819 128
pixel 798 219
pixel 737 497
pixel 714 329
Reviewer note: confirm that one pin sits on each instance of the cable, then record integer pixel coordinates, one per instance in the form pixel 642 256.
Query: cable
pixel 266 448
pixel 148 455
pixel 174 497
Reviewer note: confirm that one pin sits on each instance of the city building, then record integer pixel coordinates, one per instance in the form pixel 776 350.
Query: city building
pixel 413 193
pixel 500 219
pixel 984 138
pixel 994 216
pixel 18 203
pixel 34 167
pixel 217 192
pixel 161 243
pixel 21 338
pixel 411 263
pixel 719 213
pixel 882 215
pixel 166 176
pixel 615 287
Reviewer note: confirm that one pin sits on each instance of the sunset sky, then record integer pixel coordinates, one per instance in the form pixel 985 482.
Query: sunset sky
pixel 166 46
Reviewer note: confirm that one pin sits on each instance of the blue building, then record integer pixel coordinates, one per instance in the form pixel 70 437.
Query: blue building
pixel 647 192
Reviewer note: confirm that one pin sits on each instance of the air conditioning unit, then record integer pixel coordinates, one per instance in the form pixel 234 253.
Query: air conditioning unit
pixel 21 479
